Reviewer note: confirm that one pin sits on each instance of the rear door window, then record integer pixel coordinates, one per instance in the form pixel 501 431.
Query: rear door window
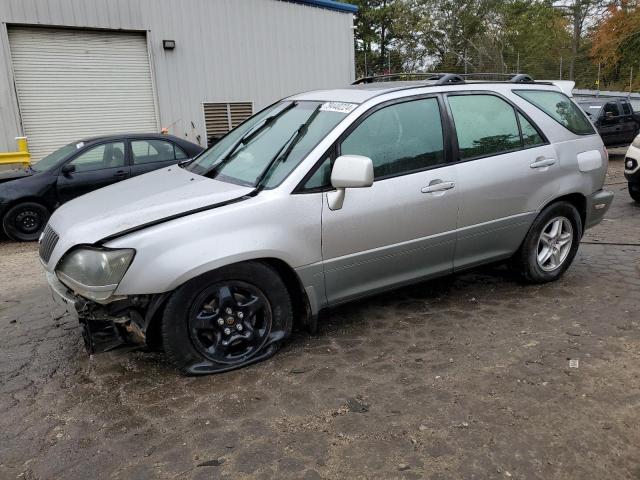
pixel 559 107
pixel 530 136
pixel 626 108
pixel 152 150
pixel 485 125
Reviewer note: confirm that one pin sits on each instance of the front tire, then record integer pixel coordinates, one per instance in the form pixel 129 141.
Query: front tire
pixel 227 319
pixel 551 244
pixel 25 221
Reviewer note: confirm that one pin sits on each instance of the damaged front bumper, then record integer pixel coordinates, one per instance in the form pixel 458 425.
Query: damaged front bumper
pixel 106 327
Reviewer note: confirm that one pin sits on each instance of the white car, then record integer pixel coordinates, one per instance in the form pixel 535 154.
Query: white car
pixel 632 169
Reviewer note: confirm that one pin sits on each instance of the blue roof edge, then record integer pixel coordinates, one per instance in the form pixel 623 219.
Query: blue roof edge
pixel 330 4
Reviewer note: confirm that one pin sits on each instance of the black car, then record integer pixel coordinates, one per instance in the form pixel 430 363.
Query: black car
pixel 28 197
pixel 614 119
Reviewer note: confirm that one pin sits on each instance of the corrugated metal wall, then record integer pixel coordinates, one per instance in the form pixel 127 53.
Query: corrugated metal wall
pixel 226 51
pixel 72 83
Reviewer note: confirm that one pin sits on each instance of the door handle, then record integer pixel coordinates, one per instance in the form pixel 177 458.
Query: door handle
pixel 121 173
pixel 437 186
pixel 542 162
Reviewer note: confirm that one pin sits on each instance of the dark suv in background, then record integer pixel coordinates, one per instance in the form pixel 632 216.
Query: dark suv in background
pixel 29 196
pixel 615 120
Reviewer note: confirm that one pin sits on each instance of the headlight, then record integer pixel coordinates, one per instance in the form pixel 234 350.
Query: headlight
pixel 94 273
pixel 636 142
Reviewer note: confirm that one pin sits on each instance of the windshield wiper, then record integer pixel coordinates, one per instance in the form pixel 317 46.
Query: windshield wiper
pixel 285 150
pixel 247 137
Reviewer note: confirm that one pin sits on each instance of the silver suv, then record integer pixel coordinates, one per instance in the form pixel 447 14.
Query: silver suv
pixel 322 198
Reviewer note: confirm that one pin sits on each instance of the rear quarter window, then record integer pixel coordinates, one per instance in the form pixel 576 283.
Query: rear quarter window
pixel 559 107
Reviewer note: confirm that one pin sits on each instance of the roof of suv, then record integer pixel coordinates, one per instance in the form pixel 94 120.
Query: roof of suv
pixel 118 136
pixel 364 91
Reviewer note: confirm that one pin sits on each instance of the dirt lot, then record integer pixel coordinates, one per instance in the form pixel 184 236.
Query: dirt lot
pixel 466 377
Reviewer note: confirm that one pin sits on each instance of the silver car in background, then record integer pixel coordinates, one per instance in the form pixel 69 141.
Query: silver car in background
pixel 322 198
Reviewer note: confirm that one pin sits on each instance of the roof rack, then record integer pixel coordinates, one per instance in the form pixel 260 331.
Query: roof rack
pixel 393 76
pixel 521 78
pixel 445 78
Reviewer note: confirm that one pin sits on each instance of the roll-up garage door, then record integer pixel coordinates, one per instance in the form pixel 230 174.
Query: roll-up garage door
pixel 73 84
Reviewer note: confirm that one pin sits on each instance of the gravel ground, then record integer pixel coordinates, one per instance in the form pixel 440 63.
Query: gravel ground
pixel 464 377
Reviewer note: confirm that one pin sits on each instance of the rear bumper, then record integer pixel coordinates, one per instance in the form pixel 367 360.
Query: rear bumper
pixel 598 204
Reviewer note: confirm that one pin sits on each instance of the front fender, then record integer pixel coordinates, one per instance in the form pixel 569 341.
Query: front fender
pixel 169 254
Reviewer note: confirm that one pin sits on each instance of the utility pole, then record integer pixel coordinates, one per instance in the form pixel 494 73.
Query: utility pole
pixel 388 61
pixel 465 61
pixel 598 81
pixel 630 80
pixel 518 64
pixel 560 67
pixel 366 70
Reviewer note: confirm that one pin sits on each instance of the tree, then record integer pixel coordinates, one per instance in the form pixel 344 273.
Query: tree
pixel 374 33
pixel 534 36
pixel 538 37
pixel 616 41
pixel 578 11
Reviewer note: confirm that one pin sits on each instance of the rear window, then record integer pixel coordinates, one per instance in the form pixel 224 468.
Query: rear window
pixel 559 107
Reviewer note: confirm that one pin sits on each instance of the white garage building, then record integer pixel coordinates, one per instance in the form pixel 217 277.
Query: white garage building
pixel 77 68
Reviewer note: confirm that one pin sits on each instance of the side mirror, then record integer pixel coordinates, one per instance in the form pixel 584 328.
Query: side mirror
pixel 349 171
pixel 68 168
pixel 608 115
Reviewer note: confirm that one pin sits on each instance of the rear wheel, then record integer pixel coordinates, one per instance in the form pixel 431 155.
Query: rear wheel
pixel 25 221
pixel 227 319
pixel 551 244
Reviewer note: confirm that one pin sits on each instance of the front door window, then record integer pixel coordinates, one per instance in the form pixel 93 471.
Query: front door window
pixel 401 138
pixel 107 155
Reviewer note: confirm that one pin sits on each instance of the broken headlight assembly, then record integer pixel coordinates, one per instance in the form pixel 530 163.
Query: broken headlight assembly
pixel 94 273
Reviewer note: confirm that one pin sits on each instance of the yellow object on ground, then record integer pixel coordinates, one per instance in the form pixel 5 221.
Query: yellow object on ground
pixel 22 156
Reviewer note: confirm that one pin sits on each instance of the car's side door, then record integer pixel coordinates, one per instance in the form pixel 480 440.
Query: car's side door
pixel 95 167
pixel 402 227
pixel 610 125
pixel 506 170
pixel 629 124
pixel 149 154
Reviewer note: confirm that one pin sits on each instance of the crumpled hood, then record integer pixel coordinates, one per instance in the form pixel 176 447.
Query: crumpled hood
pixel 138 201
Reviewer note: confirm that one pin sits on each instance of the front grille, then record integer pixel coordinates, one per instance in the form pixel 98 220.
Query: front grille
pixel 48 243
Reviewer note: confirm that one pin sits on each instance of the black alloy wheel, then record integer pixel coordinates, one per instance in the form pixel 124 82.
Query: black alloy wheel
pixel 230 321
pixel 227 319
pixel 24 222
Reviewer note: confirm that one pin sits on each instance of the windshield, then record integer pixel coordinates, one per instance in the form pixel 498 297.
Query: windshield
pixel 268 146
pixel 54 158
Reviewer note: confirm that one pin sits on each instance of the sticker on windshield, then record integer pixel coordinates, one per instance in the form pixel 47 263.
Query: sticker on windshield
pixel 340 107
pixel 79 145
